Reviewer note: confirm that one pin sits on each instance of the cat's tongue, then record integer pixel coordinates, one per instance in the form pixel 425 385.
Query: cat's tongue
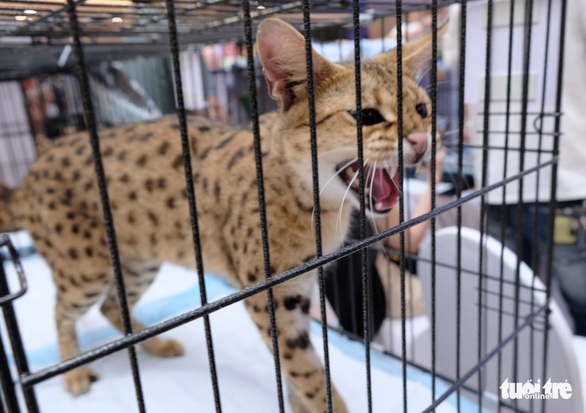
pixel 384 191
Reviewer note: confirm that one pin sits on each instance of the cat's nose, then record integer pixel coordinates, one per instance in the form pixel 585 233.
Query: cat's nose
pixel 418 141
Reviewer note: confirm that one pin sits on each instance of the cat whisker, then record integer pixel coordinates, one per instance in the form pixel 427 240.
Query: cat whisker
pixel 339 218
pixel 387 165
pixel 383 247
pixel 338 173
pixel 452 176
pixel 452 148
pixel 453 180
pixel 398 189
pixel 423 75
pixel 451 132
pixel 388 169
pixel 309 164
pixel 371 200
pixel 330 180
pixel 428 87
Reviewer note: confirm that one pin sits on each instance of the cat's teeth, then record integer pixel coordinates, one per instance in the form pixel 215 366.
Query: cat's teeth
pixel 379 206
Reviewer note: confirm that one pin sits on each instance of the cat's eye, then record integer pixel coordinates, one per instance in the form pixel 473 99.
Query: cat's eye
pixel 421 108
pixel 369 116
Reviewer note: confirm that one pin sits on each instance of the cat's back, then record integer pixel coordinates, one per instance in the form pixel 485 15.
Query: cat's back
pixel 143 165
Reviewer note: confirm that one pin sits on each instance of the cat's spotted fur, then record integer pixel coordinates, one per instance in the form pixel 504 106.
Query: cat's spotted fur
pixel 58 203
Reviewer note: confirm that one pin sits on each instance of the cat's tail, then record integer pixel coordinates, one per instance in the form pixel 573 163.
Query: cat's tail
pixel 7 219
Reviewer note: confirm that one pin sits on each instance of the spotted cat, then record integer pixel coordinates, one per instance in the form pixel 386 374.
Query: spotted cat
pixel 58 202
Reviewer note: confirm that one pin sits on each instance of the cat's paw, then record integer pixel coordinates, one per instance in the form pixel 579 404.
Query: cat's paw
pixel 79 380
pixel 164 348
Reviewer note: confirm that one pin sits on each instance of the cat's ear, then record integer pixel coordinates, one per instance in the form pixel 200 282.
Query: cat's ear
pixel 416 53
pixel 282 54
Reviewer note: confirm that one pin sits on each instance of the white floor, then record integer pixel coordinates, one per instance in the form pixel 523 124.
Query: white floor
pixel 245 366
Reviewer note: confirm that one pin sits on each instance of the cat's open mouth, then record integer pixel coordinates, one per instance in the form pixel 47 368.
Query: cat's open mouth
pixel 380 189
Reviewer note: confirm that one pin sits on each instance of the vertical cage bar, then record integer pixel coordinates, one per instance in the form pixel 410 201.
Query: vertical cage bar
pixel 485 144
pixel 81 70
pixel 8 391
pixel 316 199
pixel 520 201
pixel 462 82
pixel 16 341
pixel 362 180
pixel 504 210
pixel 261 195
pixel 399 24
pixel 534 254
pixel 537 235
pixel 433 172
pixel 191 197
pixel 553 188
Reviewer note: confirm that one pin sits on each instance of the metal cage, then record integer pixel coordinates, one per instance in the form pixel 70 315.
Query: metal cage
pixel 40 44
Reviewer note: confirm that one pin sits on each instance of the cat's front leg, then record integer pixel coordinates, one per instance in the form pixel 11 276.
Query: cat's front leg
pixel 299 361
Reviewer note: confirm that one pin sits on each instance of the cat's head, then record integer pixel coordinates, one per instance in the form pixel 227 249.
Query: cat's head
pixel 282 54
